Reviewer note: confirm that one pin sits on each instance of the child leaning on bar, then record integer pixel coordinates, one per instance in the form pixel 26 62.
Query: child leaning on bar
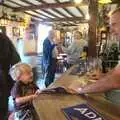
pixel 23 91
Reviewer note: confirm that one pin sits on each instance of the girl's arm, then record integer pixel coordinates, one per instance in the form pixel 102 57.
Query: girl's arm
pixel 24 99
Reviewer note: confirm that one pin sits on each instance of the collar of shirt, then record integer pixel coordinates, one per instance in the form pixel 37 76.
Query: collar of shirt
pixel 52 42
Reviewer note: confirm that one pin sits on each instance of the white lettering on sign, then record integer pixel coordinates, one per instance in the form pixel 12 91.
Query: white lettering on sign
pixel 90 115
pixel 81 110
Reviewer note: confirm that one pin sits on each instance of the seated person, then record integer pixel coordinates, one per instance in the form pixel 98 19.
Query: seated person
pixel 23 91
pixel 75 49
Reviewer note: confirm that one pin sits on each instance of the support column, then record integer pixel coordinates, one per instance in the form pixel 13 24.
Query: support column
pixel 93 10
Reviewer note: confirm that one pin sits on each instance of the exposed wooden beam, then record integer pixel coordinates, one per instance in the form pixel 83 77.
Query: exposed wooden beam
pixel 42 14
pixel 50 13
pixel 81 12
pixel 66 9
pixel 46 10
pixel 42 10
pixel 60 13
pixel 24 12
pixel 16 3
pixel 66 25
pixel 33 15
pixel 80 19
pixel 56 10
pixel 7 6
pixel 69 25
pixel 48 6
pixel 69 12
pixel 34 10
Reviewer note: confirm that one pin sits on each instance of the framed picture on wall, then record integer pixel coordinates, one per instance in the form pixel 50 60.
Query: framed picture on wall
pixel 16 31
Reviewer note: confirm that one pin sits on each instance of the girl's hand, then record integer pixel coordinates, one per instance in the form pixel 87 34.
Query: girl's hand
pixel 38 92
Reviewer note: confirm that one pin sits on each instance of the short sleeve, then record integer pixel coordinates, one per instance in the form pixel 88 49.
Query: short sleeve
pixel 35 87
pixel 16 90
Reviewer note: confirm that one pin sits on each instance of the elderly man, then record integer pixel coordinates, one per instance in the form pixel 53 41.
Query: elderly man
pixel 49 58
pixel 110 84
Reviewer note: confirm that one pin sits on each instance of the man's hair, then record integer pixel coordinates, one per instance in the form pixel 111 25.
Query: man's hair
pixel 17 69
pixel 115 11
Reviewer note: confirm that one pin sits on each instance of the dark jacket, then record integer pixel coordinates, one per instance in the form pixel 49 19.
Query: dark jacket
pixel 8 57
pixel 47 52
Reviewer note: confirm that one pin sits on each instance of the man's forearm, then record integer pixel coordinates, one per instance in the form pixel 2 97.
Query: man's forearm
pixel 95 88
pixel 102 85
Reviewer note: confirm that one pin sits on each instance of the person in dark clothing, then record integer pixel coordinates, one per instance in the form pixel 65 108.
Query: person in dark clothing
pixel 8 57
pixel 49 58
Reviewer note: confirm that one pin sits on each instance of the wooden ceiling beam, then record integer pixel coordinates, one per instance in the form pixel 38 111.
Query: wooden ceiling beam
pixel 56 10
pixel 80 11
pixel 69 12
pixel 66 25
pixel 80 19
pixel 34 10
pixel 42 10
pixel 33 15
pixel 60 13
pixel 66 9
pixel 72 24
pixel 48 6
pixel 7 6
pixel 24 12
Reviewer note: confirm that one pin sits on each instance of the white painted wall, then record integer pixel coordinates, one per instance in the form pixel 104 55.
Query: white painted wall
pixel 42 34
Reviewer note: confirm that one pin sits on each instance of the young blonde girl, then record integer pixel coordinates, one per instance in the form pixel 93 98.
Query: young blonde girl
pixel 24 91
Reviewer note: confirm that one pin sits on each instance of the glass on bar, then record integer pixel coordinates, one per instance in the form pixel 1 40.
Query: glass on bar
pixel 94 67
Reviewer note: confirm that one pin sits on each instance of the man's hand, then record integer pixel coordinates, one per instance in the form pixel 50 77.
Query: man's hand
pixel 71 90
pixel 75 87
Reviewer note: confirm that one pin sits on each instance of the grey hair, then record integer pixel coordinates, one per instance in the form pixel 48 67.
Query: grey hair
pixel 15 71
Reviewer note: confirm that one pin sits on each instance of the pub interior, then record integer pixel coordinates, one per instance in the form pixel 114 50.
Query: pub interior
pixel 85 52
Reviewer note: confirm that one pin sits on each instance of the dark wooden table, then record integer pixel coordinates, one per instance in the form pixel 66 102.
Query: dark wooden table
pixel 48 106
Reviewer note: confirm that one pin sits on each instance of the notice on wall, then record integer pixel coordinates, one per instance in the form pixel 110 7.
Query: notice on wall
pixel 30 46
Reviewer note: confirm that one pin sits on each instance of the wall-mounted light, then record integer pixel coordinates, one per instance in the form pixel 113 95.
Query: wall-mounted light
pixel 105 1
pixel 78 1
pixel 87 17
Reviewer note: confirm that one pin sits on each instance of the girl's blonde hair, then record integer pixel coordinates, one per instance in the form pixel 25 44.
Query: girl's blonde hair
pixel 19 68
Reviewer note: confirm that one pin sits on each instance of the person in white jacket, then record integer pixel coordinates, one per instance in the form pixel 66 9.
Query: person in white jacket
pixel 75 49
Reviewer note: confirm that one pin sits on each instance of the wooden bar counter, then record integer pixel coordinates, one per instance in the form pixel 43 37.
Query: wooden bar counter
pixel 48 106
